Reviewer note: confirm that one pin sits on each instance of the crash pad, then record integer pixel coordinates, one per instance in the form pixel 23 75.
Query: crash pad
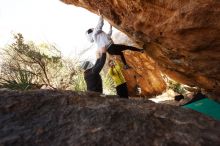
pixel 207 107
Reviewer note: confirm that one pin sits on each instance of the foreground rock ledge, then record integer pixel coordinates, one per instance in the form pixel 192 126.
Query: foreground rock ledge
pixel 58 118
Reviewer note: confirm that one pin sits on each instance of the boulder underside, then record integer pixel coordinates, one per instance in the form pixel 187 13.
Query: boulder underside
pixel 182 37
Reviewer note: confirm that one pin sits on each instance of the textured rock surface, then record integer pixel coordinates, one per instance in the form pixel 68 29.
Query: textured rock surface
pixel 57 118
pixel 144 72
pixel 182 36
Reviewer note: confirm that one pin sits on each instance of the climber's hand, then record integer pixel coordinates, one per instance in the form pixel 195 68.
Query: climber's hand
pixel 98 54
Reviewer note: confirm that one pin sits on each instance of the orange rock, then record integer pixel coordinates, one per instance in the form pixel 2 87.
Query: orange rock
pixel 183 37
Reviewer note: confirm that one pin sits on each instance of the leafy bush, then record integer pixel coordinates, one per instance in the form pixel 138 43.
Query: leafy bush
pixel 28 66
pixel 176 87
pixel 22 80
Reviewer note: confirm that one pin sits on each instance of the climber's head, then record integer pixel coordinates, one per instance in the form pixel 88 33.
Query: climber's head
pixel 89 34
pixel 90 30
pixel 86 65
pixel 111 63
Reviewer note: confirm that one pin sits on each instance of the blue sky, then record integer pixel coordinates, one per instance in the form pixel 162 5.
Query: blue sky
pixel 46 21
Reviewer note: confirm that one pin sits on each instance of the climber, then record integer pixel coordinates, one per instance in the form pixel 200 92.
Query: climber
pixel 91 73
pixel 104 41
pixel 116 74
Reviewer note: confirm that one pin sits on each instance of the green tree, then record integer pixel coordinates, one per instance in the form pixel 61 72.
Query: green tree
pixel 176 87
pixel 33 65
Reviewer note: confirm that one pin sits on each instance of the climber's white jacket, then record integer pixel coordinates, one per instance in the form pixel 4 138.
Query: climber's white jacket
pixel 98 36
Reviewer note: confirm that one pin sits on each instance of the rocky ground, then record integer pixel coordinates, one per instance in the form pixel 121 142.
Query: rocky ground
pixel 58 118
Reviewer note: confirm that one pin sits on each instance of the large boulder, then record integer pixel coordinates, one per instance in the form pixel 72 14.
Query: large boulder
pixel 181 36
pixel 144 73
pixel 57 118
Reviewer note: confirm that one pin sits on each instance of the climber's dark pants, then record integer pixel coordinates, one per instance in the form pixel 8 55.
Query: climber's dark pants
pixel 116 49
pixel 122 90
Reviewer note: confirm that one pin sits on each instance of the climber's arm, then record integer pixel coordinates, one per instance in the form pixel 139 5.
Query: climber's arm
pixel 110 31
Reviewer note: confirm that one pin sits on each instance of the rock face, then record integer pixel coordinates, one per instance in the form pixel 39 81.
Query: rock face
pixel 68 118
pixel 181 36
pixel 144 72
